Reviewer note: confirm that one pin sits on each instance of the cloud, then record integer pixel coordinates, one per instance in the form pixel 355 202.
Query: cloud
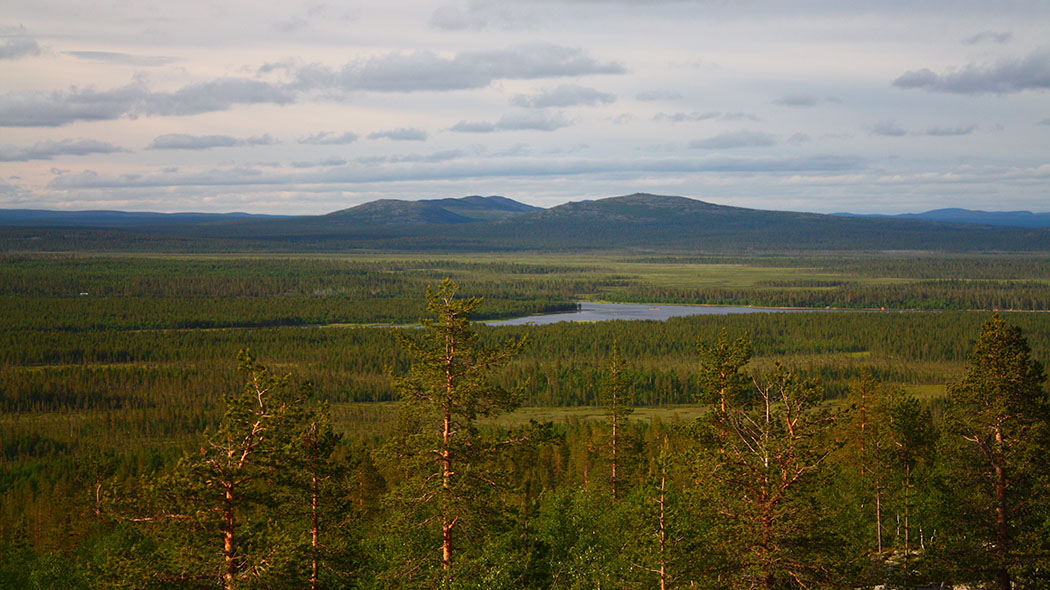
pixel 1004 77
pixel 401 134
pixel 563 96
pixel 440 156
pixel 291 25
pixel 888 129
pixel 29 109
pixel 182 141
pixel 514 122
pixel 14 194
pixel 798 139
pixel 122 58
pixel 797 99
pixel 330 138
pixel 737 139
pixel 16 48
pixel 531 121
pixel 405 170
pixel 989 37
pixel 45 150
pixel 651 95
pixel 427 71
pixel 52 109
pixel 686 117
pixel 395 72
pixel 951 131
pixel 697 116
pixel 333 161
pixel 215 95
pixel 473 127
pixel 1045 121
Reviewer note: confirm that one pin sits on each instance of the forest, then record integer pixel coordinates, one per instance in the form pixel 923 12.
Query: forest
pixel 350 421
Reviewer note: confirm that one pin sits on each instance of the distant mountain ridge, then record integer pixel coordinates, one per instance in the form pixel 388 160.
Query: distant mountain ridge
pixel 108 218
pixel 440 211
pixel 639 222
pixel 956 215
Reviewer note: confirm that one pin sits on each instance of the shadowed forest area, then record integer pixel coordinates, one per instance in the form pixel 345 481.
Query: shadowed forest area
pixel 256 422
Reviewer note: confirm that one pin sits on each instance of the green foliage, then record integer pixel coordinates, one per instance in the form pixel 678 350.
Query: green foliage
pixel 216 512
pixel 99 394
pixel 996 427
pixel 760 466
pixel 448 490
pixel 721 379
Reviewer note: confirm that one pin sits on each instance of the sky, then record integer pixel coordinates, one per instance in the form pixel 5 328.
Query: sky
pixel 307 108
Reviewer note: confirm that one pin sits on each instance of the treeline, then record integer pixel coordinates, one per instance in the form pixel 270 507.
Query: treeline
pixel 926 295
pixel 772 488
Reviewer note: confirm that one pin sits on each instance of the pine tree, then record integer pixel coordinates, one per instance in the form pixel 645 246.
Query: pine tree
pixel 997 429
pixel 722 380
pixel 615 394
pixel 220 502
pixel 760 468
pixel 439 450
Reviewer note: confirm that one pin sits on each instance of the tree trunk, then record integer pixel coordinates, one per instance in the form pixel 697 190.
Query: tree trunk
pixel 663 529
pixel 315 494
pixel 228 546
pixel 446 485
pixel 1002 530
pixel 615 441
pixel 878 517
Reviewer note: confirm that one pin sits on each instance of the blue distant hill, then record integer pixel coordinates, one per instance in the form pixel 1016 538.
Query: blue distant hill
pixel 1000 218
pixel 638 222
pixel 104 218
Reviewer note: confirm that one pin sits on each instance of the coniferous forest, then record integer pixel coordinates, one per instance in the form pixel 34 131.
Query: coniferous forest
pixel 220 421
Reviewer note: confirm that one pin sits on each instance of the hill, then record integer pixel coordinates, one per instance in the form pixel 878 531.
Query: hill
pixel 434 211
pixel 954 215
pixel 105 218
pixel 641 222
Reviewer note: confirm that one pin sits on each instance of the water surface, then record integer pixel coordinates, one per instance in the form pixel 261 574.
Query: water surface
pixel 600 312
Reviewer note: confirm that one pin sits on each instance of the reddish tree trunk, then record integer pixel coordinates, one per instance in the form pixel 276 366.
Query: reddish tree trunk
pixel 228 547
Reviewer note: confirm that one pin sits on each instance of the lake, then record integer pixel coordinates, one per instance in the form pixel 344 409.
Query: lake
pixel 600 312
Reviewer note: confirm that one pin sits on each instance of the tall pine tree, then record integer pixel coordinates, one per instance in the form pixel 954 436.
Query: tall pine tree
pixel 997 444
pixel 448 486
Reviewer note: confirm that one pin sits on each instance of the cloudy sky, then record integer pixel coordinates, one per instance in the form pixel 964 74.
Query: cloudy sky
pixel 305 108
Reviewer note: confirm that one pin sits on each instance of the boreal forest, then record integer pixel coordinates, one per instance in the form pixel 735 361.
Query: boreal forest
pixel 186 416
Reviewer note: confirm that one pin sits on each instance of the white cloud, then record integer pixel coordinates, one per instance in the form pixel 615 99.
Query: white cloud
pixel 989 37
pixel 122 58
pixel 429 71
pixel 563 96
pixel 1006 76
pixel 16 48
pixel 52 109
pixel 737 139
pixel 330 138
pixel 797 99
pixel 888 129
pixel 182 141
pixel 951 131
pixel 703 116
pixel 514 122
pixel 46 150
pixel 400 134
pixel 653 95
